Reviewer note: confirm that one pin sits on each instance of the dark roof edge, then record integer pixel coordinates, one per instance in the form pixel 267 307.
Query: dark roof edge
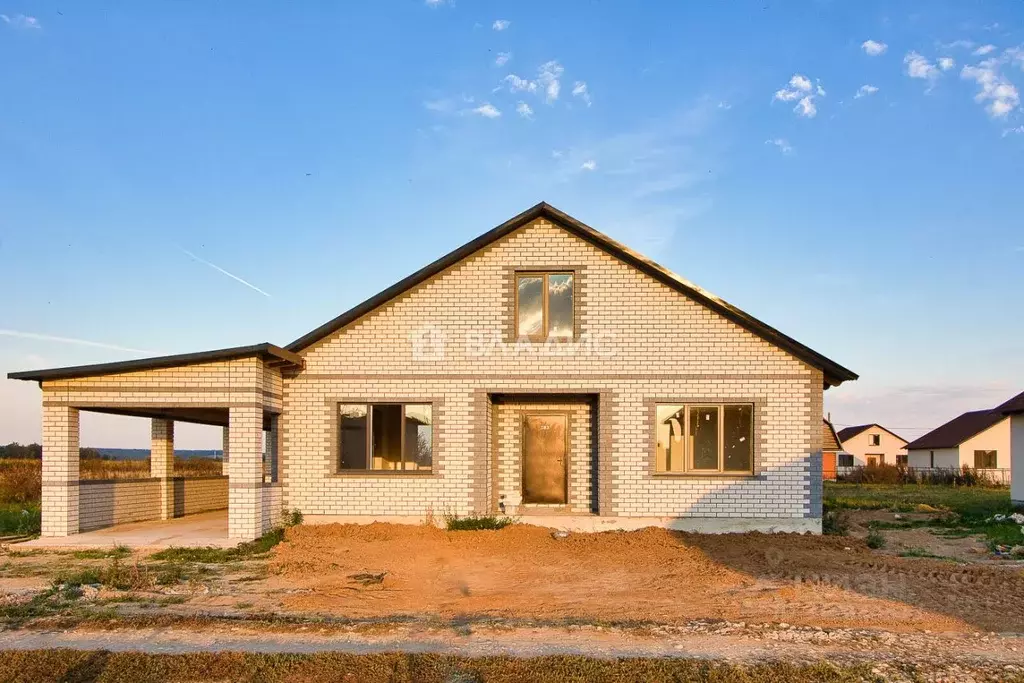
pixel 1014 406
pixel 265 350
pixel 834 373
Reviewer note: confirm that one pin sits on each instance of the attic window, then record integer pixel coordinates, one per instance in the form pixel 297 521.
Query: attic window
pixel 876 439
pixel 545 305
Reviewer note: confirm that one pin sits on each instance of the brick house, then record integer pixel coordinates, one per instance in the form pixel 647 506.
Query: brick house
pixel 541 370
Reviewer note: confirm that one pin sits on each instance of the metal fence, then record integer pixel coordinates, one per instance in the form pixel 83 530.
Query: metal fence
pixel 899 474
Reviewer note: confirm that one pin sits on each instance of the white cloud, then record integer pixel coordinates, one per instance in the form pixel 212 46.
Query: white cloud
pixel 501 24
pixel 782 144
pixel 1019 130
pixel 524 110
pixel 919 67
pixel 864 91
pixel 579 89
pixel 946 63
pixel 800 82
pixel 874 48
pixel 984 50
pixel 442 106
pixel 589 165
pixel 806 108
pixel 548 78
pixel 557 154
pixel 517 84
pixel 69 340
pixel 502 58
pixel 438 3
pixel 487 110
pixel 965 44
pixel 724 105
pixel 1000 94
pixel 786 95
pixel 800 88
pixel 21 21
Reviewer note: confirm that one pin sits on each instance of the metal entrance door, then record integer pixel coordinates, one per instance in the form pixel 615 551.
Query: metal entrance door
pixel 545 456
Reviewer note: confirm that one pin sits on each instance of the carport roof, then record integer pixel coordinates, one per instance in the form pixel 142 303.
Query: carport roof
pixel 267 351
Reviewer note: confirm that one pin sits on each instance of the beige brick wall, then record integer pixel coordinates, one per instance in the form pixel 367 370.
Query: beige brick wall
pixel 103 503
pixel 662 346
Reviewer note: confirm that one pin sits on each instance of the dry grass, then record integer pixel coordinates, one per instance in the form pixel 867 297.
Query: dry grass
pixel 21 479
pixel 70 665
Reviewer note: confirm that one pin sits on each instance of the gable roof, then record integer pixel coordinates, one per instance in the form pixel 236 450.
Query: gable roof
pixel 958 430
pixel 834 373
pixel 265 350
pixel 829 439
pixel 847 433
pixel 1014 406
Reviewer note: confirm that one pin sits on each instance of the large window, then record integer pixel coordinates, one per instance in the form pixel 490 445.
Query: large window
pixel 704 438
pixel 385 437
pixel 545 306
pixel 985 460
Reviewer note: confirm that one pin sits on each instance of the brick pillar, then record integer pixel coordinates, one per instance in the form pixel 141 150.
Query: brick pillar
pixel 60 471
pixel 245 473
pixel 225 448
pixel 161 463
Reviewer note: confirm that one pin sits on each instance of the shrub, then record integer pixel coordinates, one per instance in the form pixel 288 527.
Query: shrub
pixel 835 523
pixel 454 522
pixel 875 539
pixel 20 481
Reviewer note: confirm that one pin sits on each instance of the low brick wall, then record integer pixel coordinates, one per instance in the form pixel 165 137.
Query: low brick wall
pixel 106 502
pixel 271 506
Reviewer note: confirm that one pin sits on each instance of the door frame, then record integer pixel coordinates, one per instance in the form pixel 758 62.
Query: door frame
pixel 565 461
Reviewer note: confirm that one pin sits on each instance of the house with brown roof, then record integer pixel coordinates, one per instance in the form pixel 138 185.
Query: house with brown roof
pixel 979 439
pixel 830 450
pixel 1014 408
pixel 541 370
pixel 872 444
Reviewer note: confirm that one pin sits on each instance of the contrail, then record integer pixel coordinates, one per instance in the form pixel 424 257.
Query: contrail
pixel 69 340
pixel 218 268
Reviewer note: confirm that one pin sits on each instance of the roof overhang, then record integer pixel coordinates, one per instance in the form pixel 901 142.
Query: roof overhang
pixel 275 355
pixel 834 374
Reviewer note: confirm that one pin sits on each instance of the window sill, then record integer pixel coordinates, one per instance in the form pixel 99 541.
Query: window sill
pixel 383 473
pixel 704 475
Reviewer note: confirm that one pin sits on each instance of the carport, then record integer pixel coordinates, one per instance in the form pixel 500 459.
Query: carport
pixel 238 389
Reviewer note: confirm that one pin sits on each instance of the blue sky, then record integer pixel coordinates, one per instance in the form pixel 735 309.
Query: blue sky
pixel 150 154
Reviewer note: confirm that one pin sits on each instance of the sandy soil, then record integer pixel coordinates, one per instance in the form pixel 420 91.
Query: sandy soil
pixel 654 575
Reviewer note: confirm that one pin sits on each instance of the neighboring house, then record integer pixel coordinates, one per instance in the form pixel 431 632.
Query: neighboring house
pixel 871 444
pixel 979 439
pixel 830 450
pixel 542 370
pixel 1014 408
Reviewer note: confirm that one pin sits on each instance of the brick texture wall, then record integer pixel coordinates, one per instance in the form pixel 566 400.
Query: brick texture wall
pixel 656 343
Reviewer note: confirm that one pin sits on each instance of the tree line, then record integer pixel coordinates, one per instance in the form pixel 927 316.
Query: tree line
pixel 33 451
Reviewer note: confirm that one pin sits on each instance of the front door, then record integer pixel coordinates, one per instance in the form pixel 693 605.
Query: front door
pixel 545 451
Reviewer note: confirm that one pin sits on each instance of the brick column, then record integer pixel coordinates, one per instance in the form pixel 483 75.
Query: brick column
pixel 161 463
pixel 225 447
pixel 60 470
pixel 245 473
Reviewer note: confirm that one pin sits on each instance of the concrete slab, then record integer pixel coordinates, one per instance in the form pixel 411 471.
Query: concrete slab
pixel 206 529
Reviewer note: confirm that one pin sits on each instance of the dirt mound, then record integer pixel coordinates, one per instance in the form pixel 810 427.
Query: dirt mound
pixel 385 570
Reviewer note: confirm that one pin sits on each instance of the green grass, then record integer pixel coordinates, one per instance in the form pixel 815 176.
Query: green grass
pixel 242 551
pixel 118 551
pixel 921 552
pixel 969 506
pixel 875 539
pixel 19 519
pixel 106 667
pixel 476 523
pixel 972 502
